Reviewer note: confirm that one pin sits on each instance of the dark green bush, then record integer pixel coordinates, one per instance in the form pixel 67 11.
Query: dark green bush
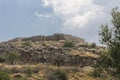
pixel 103 65
pixel 104 61
pixel 29 71
pixel 58 75
pixel 27 43
pixel 92 45
pixel 58 36
pixel 69 44
pixel 4 76
pixel 2 60
pixel 97 72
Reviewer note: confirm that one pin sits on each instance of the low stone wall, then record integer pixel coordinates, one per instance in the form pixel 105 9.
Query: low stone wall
pixel 55 37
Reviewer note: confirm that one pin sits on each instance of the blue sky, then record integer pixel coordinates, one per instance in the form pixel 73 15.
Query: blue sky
pixel 23 18
pixel 18 19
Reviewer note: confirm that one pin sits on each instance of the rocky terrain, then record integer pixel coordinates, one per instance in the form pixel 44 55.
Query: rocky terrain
pixel 54 57
pixel 57 49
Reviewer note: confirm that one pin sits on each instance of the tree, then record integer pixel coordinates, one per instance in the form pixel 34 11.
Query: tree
pixel 69 44
pixel 58 37
pixel 92 45
pixel 27 43
pixel 111 38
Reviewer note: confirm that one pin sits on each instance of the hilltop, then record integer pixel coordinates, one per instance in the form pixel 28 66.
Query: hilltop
pixel 57 51
pixel 46 49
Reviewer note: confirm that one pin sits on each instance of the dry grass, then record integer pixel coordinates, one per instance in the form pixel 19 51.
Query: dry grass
pixel 40 71
pixel 83 53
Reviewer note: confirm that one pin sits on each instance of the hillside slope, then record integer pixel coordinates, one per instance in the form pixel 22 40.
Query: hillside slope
pixel 57 49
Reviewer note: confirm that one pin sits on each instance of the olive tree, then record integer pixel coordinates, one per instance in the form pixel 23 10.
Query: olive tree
pixel 110 36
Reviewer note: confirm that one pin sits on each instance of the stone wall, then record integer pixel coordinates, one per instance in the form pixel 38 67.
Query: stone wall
pixel 54 57
pixel 55 37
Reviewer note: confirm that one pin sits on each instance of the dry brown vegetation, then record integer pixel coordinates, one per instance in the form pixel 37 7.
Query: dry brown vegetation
pixel 41 72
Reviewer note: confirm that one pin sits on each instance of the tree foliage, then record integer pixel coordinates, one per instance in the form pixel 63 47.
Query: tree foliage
pixel 69 44
pixel 111 38
pixel 27 43
pixel 58 36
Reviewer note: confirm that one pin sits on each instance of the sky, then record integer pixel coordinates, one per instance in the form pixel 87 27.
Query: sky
pixel 82 18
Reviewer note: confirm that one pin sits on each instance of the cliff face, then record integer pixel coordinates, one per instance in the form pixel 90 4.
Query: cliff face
pixel 50 50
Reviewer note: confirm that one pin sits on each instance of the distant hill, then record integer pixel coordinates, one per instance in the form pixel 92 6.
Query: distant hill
pixel 56 49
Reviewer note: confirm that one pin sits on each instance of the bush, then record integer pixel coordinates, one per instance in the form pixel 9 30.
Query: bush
pixel 102 65
pixel 6 70
pixel 27 43
pixel 69 44
pixel 36 69
pixel 104 60
pixel 92 45
pixel 2 60
pixel 58 37
pixel 29 71
pixel 58 75
pixel 4 76
pixel 97 72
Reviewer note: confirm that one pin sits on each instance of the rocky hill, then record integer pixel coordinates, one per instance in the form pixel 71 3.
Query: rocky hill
pixel 57 49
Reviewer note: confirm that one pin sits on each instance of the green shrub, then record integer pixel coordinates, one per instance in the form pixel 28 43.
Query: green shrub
pixel 104 60
pixel 36 69
pixel 96 73
pixel 29 71
pixel 6 70
pixel 58 75
pixel 27 43
pixel 4 76
pixel 69 44
pixel 103 65
pixel 2 60
pixel 58 36
pixel 92 45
